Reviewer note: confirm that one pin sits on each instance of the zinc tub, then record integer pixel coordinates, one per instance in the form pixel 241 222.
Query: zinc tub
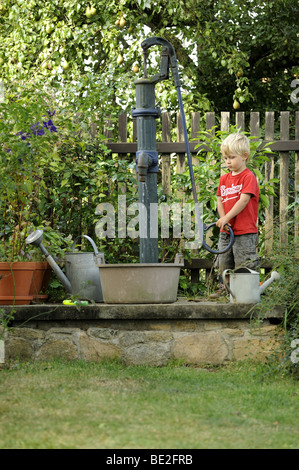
pixel 143 283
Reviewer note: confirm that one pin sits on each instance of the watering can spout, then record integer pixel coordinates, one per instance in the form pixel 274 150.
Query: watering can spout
pixel 35 238
pixel 61 276
pixel 274 277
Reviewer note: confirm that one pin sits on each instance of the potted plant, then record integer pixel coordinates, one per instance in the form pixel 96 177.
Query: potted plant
pixel 23 153
pixel 24 274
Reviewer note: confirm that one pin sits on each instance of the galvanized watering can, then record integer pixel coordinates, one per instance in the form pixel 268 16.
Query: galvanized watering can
pixel 244 285
pixel 82 273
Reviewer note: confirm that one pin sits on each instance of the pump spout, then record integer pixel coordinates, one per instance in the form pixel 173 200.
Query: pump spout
pixel 143 163
pixel 274 277
pixel 35 238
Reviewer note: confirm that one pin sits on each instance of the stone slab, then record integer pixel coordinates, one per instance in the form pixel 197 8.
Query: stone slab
pixel 180 310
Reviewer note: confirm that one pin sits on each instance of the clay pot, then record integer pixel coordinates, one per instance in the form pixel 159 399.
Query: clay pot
pixel 22 282
pixel 40 281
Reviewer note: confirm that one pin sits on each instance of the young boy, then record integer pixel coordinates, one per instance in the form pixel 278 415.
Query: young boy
pixel 237 204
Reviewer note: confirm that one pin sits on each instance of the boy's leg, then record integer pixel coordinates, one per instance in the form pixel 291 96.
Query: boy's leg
pixel 224 260
pixel 245 251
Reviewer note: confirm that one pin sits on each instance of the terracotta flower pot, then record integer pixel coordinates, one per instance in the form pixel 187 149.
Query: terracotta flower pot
pixel 23 282
pixel 15 282
pixel 40 281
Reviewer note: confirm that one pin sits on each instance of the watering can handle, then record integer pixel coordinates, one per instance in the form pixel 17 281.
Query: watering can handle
pixel 89 239
pixel 223 275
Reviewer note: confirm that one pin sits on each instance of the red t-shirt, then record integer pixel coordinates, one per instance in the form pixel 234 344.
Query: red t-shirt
pixel 230 189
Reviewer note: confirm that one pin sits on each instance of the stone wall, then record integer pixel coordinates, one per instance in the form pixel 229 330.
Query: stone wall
pixel 151 334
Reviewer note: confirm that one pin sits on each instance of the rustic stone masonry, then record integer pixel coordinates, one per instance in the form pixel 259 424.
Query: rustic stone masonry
pixel 194 332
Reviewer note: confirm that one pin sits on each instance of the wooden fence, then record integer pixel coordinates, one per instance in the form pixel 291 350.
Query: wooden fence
pixel 282 147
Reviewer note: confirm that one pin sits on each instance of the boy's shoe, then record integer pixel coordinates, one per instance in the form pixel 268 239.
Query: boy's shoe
pixel 220 292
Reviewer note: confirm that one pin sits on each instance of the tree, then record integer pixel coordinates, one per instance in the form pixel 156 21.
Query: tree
pixel 228 50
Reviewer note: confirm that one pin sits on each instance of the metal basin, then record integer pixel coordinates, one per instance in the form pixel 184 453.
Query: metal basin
pixel 139 283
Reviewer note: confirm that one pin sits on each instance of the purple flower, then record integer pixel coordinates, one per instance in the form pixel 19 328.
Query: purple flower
pixel 23 135
pixel 51 114
pixel 38 129
pixel 50 126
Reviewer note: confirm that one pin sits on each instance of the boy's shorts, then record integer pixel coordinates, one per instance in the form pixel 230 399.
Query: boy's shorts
pixel 243 253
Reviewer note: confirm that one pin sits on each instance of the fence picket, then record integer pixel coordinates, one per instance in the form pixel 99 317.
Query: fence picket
pixel 255 124
pixel 166 158
pixel 224 126
pixel 108 133
pixel 180 138
pixel 122 127
pixel 240 120
pixel 224 121
pixel 284 178
pixel 297 180
pixel 210 122
pixel 195 129
pixel 269 174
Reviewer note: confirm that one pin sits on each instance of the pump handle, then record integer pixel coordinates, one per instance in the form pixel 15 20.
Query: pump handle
pixel 167 55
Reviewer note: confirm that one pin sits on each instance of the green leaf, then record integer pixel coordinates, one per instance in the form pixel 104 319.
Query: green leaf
pixel 258 173
pixel 265 200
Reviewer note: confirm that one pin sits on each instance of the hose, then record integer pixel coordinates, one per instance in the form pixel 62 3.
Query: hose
pixel 168 54
pixel 201 226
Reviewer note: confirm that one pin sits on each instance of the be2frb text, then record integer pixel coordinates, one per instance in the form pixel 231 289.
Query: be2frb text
pixel 171 459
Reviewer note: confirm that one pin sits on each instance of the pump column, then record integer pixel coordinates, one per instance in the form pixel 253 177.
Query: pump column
pixel 147 169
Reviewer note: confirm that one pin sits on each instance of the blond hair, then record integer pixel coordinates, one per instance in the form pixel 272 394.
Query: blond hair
pixel 235 144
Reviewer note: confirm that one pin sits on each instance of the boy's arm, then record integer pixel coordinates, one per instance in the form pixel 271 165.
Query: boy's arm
pixel 220 207
pixel 238 207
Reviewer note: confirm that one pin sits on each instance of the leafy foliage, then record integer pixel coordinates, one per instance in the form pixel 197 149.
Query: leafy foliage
pixel 284 294
pixel 47 172
pixel 227 50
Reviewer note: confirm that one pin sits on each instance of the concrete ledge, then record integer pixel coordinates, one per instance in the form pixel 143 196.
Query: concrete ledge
pixel 152 334
pixel 179 310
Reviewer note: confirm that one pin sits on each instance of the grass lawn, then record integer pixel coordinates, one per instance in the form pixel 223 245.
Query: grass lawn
pixel 77 405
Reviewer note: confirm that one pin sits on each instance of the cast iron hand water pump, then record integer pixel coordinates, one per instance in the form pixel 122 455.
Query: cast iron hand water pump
pixel 147 155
